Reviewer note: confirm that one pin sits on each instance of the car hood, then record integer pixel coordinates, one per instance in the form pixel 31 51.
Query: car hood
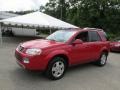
pixel 40 43
pixel 115 43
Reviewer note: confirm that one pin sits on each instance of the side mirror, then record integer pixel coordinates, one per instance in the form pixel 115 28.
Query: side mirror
pixel 77 41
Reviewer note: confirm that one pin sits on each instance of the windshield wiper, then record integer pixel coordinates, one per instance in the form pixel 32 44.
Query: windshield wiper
pixel 51 39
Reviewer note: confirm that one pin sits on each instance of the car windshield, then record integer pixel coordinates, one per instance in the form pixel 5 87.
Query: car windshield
pixel 61 35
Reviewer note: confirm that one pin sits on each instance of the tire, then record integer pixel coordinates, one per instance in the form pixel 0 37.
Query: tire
pixel 102 60
pixel 56 68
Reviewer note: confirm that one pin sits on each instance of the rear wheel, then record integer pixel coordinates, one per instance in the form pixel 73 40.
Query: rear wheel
pixel 56 68
pixel 102 60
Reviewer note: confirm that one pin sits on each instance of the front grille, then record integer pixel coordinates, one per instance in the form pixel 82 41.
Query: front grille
pixel 20 48
pixel 18 56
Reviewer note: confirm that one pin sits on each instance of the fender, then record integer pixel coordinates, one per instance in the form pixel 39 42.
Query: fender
pixel 104 49
pixel 54 53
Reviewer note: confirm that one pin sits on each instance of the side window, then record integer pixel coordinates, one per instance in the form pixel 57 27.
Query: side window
pixel 94 36
pixel 104 35
pixel 83 36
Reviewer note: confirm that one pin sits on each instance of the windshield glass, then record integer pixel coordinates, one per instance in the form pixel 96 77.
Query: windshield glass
pixel 61 35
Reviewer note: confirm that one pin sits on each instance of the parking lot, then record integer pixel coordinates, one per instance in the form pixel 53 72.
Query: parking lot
pixel 82 77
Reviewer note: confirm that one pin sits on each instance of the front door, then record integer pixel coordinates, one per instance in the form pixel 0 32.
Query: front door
pixel 81 53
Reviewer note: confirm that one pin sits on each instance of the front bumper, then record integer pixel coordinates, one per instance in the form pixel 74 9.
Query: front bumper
pixel 35 62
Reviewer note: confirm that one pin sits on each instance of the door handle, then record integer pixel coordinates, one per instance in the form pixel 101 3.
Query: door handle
pixel 87 46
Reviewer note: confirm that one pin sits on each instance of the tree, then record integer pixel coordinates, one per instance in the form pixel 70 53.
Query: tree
pixel 103 14
pixel 57 8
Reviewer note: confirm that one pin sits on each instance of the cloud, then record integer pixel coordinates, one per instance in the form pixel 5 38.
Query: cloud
pixel 20 5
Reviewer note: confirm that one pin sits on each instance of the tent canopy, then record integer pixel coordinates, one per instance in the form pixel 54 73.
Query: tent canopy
pixel 38 19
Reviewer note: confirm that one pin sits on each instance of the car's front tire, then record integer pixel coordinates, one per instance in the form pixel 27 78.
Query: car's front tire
pixel 56 68
pixel 102 60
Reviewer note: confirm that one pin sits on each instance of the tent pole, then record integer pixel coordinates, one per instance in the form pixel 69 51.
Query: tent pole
pixel 50 31
pixel 1 41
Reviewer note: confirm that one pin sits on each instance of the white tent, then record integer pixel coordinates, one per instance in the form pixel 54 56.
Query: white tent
pixel 38 19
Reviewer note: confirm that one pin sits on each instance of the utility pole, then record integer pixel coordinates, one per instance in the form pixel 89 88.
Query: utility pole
pixel 61 2
pixel 0 35
pixel 61 11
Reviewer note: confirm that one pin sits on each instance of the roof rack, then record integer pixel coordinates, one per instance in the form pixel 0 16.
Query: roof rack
pixel 87 28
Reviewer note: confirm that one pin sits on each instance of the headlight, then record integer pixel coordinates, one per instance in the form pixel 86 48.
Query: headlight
pixel 33 51
pixel 117 45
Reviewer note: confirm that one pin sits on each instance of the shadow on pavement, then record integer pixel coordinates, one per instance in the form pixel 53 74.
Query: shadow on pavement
pixel 31 76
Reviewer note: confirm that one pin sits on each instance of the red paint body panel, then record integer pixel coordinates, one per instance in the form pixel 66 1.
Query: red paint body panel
pixel 115 46
pixel 76 54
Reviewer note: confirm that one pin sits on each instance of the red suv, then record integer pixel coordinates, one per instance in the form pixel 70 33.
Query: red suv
pixel 62 49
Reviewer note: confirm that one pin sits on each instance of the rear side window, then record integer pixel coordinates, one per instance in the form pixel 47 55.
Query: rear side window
pixel 94 36
pixel 104 36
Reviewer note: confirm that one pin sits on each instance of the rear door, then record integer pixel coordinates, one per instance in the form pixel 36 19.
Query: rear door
pixel 95 42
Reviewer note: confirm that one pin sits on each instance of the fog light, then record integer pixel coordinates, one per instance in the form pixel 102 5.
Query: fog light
pixel 26 60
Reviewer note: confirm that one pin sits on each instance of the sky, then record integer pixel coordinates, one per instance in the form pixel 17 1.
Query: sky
pixel 21 5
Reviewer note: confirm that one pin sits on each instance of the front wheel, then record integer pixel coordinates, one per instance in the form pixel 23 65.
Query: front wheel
pixel 56 68
pixel 102 60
